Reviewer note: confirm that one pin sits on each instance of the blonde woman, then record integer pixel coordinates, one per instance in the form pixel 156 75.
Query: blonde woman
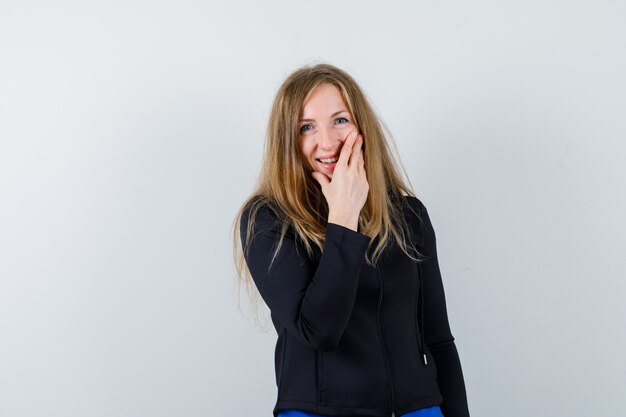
pixel 344 255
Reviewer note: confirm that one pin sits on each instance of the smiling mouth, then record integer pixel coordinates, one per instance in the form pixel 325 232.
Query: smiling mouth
pixel 327 160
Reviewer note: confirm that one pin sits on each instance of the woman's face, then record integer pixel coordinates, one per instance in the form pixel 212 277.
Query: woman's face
pixel 324 126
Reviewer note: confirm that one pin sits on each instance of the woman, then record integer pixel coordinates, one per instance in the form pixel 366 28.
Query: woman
pixel 344 256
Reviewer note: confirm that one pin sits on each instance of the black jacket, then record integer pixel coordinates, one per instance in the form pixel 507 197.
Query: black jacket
pixel 354 339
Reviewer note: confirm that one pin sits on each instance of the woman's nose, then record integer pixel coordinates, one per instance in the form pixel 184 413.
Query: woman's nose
pixel 327 138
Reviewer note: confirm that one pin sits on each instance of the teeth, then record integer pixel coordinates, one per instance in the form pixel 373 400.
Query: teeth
pixel 329 160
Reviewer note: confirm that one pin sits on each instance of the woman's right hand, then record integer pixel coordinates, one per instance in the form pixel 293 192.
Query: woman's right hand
pixel 346 192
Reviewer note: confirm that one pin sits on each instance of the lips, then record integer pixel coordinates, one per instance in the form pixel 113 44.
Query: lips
pixel 327 156
pixel 328 166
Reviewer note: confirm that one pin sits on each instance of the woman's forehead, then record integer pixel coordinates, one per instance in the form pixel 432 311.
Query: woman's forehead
pixel 324 100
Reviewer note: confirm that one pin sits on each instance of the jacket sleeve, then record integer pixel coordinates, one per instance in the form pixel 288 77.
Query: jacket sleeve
pixel 437 334
pixel 312 299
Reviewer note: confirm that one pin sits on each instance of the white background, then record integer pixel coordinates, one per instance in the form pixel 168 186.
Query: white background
pixel 131 132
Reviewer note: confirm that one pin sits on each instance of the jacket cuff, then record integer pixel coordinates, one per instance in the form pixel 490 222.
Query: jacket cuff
pixel 343 232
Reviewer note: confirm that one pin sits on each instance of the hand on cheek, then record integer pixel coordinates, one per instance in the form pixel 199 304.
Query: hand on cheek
pixel 347 192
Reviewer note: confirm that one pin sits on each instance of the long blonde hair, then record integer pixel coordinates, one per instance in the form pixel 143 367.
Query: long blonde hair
pixel 285 181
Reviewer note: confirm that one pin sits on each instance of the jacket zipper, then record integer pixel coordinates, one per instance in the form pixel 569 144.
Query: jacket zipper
pixel 382 332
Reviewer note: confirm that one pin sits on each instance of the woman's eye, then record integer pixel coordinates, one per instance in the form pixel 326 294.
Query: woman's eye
pixel 342 118
pixel 304 128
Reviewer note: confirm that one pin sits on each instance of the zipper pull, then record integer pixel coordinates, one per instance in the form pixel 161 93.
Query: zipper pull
pixel 393 414
pixel 425 361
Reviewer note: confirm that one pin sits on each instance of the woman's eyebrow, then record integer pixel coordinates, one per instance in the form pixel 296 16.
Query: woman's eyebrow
pixel 332 115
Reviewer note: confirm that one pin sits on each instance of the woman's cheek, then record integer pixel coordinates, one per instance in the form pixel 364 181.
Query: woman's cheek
pixel 344 130
pixel 307 148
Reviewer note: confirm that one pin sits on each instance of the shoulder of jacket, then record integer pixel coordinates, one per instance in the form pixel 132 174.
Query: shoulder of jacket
pixel 417 218
pixel 267 216
pixel 415 204
pixel 263 206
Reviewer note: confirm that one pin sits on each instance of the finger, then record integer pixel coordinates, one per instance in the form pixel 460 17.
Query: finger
pixel 356 150
pixel 321 178
pixel 344 155
pixel 361 161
